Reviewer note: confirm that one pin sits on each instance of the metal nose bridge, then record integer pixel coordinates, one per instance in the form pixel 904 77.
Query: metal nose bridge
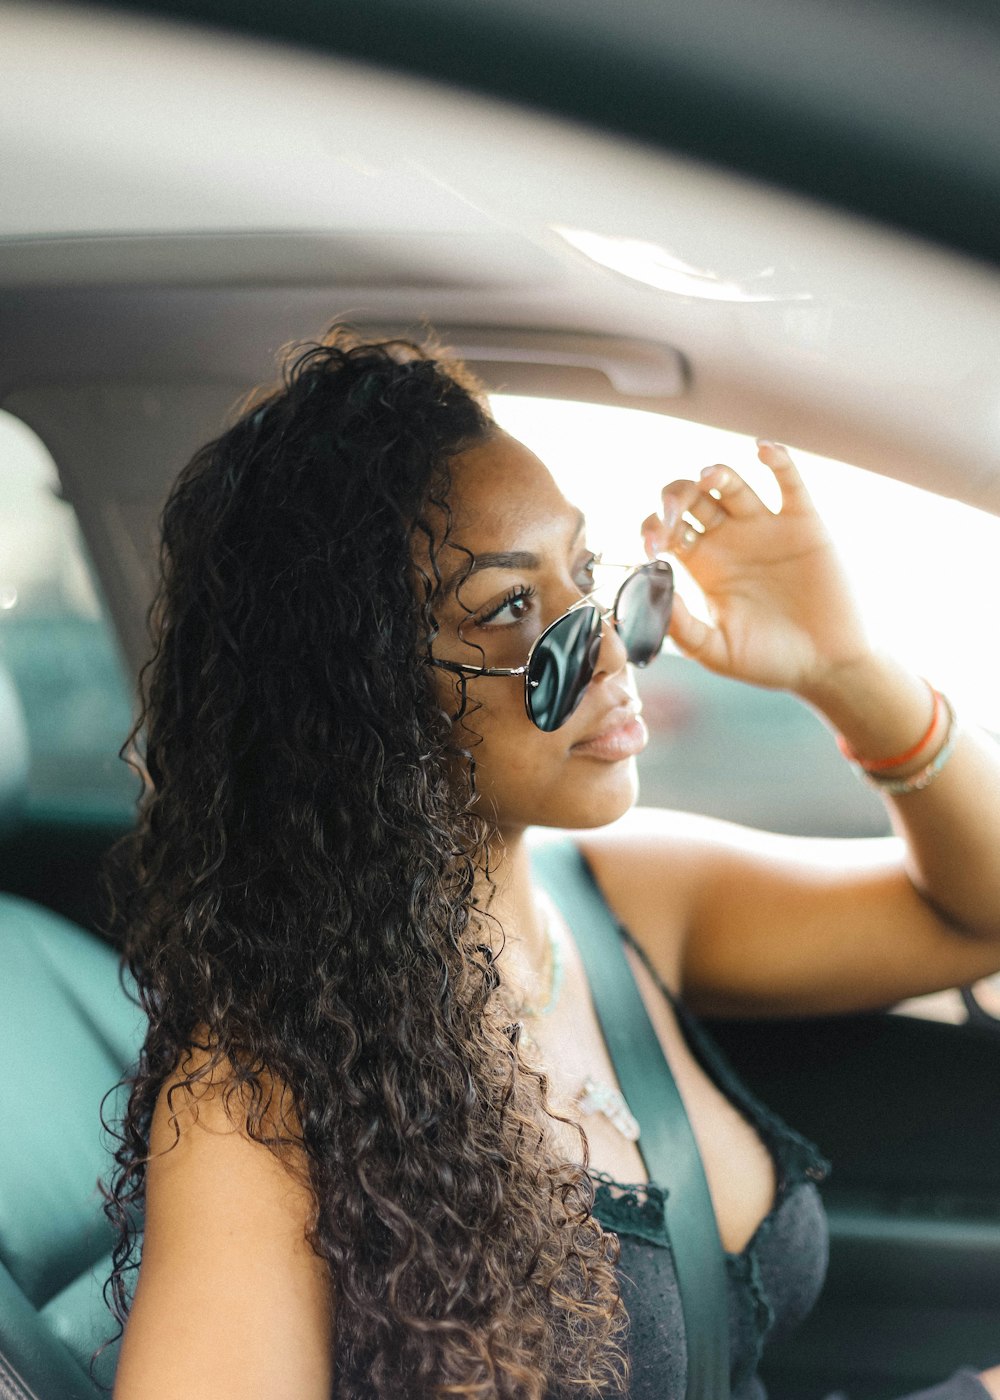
pixel 589 600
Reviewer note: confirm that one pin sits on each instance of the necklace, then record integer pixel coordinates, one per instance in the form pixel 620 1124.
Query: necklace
pixel 592 1096
pixel 556 975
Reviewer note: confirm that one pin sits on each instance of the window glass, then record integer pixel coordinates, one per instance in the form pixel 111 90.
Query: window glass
pixel 57 642
pixel 921 565
pixel 918 562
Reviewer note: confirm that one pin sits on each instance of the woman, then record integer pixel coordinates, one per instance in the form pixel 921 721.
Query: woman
pixel 356 1179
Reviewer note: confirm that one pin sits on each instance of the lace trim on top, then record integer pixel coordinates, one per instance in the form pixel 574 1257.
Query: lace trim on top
pixel 638 1208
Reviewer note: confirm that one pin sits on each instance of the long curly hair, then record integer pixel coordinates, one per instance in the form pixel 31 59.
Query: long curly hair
pixel 300 891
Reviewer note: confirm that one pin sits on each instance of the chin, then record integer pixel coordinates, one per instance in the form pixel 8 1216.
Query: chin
pixel 590 796
pixel 604 799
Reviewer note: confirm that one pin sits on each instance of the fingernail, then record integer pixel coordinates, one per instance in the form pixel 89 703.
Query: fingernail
pixel 765 442
pixel 669 515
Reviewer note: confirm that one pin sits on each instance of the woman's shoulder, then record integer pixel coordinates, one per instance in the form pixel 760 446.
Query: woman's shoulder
pixel 213 1089
pixel 647 866
pixel 227 1235
pixel 644 835
pixel 220 1136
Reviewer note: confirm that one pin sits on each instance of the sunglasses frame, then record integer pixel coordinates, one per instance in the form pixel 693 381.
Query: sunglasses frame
pixel 462 668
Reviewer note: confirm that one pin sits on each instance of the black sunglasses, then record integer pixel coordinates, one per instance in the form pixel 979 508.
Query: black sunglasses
pixel 561 660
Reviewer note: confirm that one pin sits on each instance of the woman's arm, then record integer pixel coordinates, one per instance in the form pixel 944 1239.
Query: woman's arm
pixel 231 1302
pixel 749 923
pixel 752 923
pixel 951 829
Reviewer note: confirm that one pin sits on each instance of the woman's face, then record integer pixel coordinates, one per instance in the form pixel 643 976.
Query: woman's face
pixel 504 501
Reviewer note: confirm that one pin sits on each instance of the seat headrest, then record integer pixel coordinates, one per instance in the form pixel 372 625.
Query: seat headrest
pixel 13 753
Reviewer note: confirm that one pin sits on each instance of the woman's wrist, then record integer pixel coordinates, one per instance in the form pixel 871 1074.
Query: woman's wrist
pixel 888 718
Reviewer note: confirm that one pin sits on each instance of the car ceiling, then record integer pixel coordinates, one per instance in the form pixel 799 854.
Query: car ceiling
pixel 883 107
pixel 181 203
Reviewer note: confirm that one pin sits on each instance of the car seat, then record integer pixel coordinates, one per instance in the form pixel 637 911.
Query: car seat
pixel 67 1032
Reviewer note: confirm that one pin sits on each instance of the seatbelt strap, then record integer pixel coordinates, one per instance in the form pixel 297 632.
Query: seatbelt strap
pixel 666 1142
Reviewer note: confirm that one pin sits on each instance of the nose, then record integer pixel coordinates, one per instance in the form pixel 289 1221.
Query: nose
pixel 612 656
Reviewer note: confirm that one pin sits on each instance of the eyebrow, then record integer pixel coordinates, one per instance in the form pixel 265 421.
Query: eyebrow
pixel 505 559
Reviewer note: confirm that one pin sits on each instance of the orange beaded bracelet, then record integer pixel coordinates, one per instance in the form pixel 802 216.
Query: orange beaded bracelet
pixel 883 765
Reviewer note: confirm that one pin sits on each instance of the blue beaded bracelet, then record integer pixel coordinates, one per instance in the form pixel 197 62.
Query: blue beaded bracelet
pixel 919 780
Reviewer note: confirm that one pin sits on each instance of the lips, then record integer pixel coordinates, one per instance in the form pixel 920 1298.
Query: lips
pixel 622 735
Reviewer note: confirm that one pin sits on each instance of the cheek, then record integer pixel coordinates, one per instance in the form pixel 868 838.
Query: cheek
pixel 526 777
pixel 509 750
pixel 513 746
pixel 517 778
pixel 530 779
pixel 498 716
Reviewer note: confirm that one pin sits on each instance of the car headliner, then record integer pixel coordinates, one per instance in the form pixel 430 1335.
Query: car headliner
pixel 180 203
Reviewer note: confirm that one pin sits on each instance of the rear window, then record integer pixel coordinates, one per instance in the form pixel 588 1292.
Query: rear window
pixel 57 642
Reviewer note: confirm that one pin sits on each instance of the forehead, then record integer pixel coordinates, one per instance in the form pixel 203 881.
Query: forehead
pixel 501 492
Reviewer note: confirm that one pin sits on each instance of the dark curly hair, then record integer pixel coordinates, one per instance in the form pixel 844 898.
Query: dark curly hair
pixel 297 899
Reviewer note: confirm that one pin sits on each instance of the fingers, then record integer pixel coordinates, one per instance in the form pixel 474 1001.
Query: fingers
pixel 692 509
pixel 735 496
pixel 706 510
pixel 794 496
pixel 696 638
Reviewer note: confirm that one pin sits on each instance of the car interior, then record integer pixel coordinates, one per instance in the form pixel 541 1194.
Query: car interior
pixel 181 202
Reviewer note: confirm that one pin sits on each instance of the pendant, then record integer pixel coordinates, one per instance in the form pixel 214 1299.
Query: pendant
pixel 591 1097
pixel 601 1098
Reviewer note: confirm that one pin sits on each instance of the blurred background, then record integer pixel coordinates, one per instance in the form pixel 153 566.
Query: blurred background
pixel 925 568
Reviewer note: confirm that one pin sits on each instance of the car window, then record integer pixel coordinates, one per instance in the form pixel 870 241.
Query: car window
pixel 57 642
pixel 920 563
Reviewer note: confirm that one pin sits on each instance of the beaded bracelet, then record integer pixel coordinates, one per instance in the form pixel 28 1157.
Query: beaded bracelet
pixel 919 780
pixel 883 764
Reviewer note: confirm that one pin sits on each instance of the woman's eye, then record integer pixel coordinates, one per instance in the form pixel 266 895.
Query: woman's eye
pixel 588 578
pixel 515 605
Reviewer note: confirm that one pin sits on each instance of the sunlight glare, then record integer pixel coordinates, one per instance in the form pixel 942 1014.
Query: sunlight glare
pixel 923 567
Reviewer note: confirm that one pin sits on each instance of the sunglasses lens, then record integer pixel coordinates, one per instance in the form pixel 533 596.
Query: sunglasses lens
pixel 643 611
pixel 562 666
pixel 565 658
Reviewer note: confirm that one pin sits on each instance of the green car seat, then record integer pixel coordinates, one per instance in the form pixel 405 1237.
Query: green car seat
pixel 67 1032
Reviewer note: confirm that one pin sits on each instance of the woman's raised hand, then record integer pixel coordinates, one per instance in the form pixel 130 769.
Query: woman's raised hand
pixel 782 610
